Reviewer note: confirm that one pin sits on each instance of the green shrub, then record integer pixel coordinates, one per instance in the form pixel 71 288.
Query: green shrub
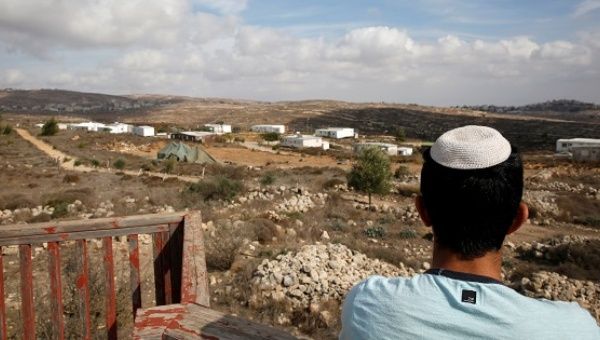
pixel 270 136
pixel 374 232
pixel 77 162
pixel 60 208
pixel 218 188
pixel 50 128
pixel 170 165
pixel 239 139
pixel 6 129
pixel 119 164
pixel 407 234
pixel 267 179
pixel 95 163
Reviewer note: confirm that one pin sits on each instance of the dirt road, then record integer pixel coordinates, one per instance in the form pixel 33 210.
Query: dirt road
pixel 67 162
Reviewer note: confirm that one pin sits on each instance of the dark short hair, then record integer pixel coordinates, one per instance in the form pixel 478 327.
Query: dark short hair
pixel 472 210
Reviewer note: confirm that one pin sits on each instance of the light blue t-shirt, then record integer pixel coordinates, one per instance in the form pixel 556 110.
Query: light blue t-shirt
pixel 449 305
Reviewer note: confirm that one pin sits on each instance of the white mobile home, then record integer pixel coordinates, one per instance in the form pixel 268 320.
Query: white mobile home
pixel 335 132
pixel 88 126
pixel 194 136
pixel 389 149
pixel 61 126
pixel 218 128
pixel 566 145
pixel 405 151
pixel 143 130
pixel 117 127
pixel 304 141
pixel 266 128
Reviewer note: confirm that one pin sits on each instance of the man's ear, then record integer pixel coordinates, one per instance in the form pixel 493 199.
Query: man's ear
pixel 422 211
pixel 522 216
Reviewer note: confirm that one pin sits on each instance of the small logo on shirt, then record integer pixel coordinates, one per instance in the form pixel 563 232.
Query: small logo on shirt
pixel 469 296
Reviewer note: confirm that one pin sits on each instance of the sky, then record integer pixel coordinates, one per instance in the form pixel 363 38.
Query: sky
pixel 431 52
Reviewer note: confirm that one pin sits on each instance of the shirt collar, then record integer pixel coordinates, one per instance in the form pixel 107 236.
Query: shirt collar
pixel 463 276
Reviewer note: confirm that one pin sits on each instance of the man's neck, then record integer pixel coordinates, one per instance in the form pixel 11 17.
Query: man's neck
pixel 488 265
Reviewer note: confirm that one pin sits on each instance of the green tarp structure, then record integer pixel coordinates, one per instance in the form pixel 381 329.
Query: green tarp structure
pixel 185 153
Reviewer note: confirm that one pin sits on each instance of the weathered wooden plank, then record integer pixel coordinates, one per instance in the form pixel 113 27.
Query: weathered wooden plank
pixel 27 308
pixel 2 303
pixel 158 248
pixel 223 326
pixel 22 230
pixel 134 272
pixel 83 235
pixel 194 285
pixel 109 288
pixel 198 322
pixel 83 289
pixel 56 303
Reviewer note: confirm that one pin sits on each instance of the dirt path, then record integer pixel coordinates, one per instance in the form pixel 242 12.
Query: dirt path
pixel 60 158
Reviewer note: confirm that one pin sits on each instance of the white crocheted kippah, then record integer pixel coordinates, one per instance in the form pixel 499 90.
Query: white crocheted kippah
pixel 470 147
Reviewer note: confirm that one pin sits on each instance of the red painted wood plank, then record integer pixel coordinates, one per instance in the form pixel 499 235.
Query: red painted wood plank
pixel 110 294
pixel 27 308
pixel 56 303
pixel 134 273
pixel 158 248
pixel 2 304
pixel 83 289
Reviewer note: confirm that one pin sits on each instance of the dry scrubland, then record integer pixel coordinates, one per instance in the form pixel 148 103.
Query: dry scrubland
pixel 285 241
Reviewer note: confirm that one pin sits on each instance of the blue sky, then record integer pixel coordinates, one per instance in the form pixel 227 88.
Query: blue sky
pixel 439 52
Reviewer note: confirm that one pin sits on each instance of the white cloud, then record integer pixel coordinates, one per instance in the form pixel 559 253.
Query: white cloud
pixel 143 60
pixel 586 7
pixel 168 46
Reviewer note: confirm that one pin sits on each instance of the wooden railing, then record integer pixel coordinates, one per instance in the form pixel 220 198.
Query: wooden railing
pixel 178 256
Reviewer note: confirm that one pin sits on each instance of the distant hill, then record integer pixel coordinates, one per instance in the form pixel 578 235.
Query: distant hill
pixel 559 105
pixel 46 101
pixel 564 109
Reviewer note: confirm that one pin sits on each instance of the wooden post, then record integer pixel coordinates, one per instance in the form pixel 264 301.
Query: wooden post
pixel 110 294
pixel 83 289
pixel 2 304
pixel 194 285
pixel 134 273
pixel 56 290
pixel 27 309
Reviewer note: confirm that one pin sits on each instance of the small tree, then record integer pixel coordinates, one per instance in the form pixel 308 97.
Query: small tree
pixel 371 173
pixel 50 128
